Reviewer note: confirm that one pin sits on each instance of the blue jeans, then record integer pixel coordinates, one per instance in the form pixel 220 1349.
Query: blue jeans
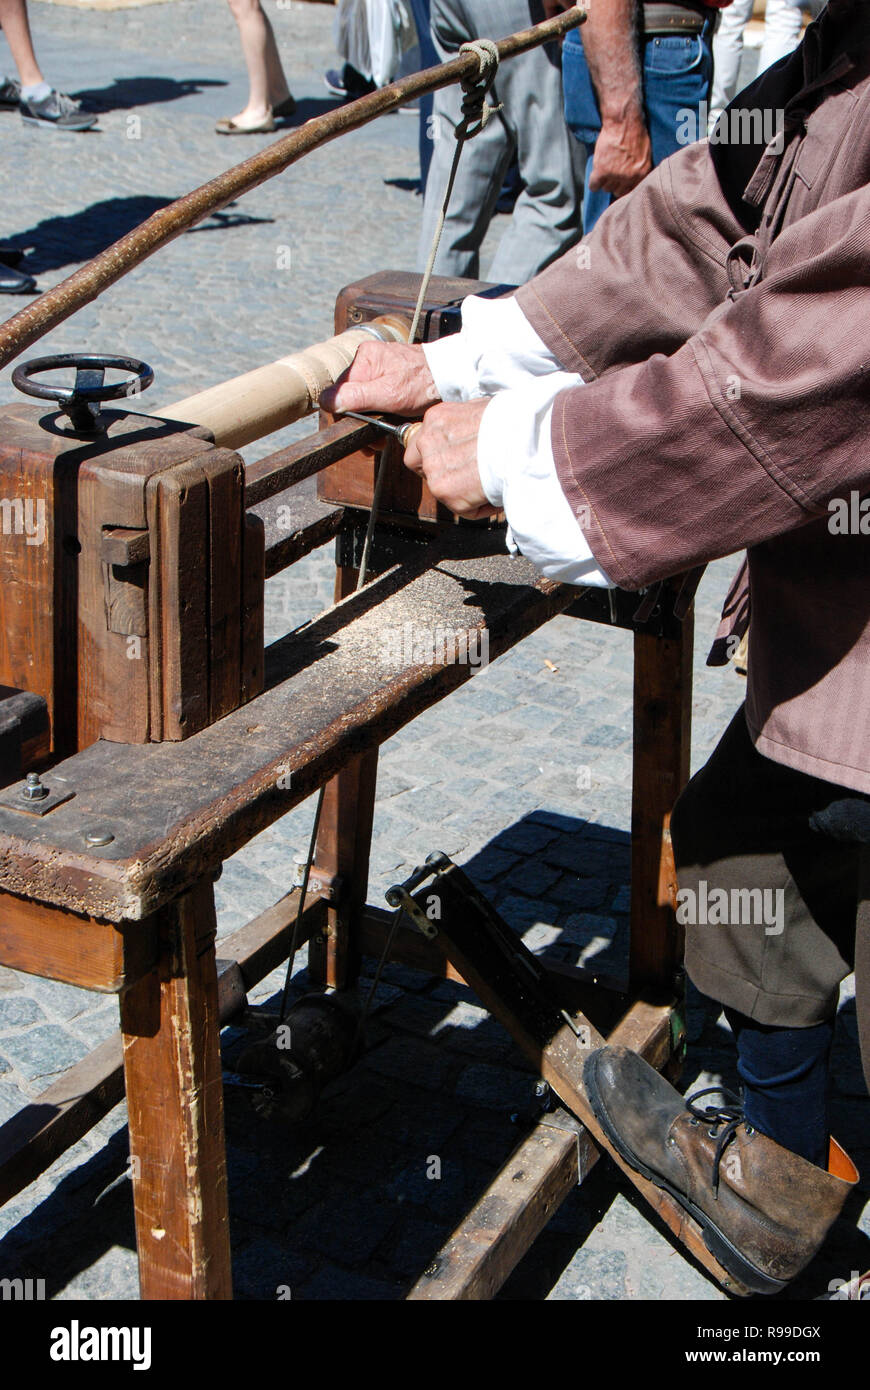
pixel 428 58
pixel 677 73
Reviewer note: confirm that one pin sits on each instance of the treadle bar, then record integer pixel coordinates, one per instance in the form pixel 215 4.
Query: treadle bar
pixel 511 983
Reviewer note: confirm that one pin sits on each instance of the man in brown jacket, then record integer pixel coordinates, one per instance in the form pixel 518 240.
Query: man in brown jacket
pixel 690 381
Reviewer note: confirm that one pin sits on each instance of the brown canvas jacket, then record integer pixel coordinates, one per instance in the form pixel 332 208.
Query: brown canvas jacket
pixel 721 316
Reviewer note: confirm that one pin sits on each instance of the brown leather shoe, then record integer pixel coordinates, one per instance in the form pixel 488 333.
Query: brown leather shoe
pixel 764 1211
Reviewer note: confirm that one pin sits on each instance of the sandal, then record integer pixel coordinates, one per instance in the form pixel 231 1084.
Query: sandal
pixel 227 126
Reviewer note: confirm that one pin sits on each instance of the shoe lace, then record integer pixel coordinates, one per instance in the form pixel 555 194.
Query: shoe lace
pixel 729 1115
pixel 67 106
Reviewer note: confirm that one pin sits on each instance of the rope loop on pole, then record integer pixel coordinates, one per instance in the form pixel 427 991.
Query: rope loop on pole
pixel 475 111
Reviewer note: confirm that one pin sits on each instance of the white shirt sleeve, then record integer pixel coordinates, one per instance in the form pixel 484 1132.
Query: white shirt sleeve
pixel 499 354
pixel 497 348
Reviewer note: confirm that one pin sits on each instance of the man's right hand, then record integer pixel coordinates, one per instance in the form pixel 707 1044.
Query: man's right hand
pixel 623 155
pixel 390 377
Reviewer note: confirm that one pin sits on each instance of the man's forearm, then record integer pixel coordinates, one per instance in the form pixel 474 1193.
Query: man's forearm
pixel 623 155
pixel 610 45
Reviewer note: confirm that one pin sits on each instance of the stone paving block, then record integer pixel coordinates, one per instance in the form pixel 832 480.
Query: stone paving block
pixel 404 977
pixel 470 1029
pixel 532 878
pixel 622 899
pixel 278 1190
pixel 454 991
pixel 265 1270
pixel 591 926
pixel 43 1051
pixel 114 1275
pixel 528 837
pixel 488 865
pixel 416 1245
pixel 587 857
pixel 17 1011
pixel 62 1001
pixel 495 1088
pixel 391 784
pixel 483 702
pixel 348 1228
pixel 655 1267
pixel 592 1274
pixel 491 1136
pixel 540 938
pixel 405 1059
pixel 522 913
pixel 417 1014
pixel 436 1188
pixel 11 1099
pixel 425 805
pixel 605 736
pixel 353 1160
pixel 574 892
pixel 424 1125
pixel 94 1029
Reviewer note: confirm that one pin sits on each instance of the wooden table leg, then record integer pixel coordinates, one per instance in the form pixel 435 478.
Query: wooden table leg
pixel 662 751
pixel 343 848
pixel 172 1069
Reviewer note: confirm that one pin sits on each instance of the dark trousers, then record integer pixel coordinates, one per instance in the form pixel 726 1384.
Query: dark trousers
pixel 773 876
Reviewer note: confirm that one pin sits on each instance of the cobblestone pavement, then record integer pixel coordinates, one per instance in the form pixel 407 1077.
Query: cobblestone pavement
pixel 343 1208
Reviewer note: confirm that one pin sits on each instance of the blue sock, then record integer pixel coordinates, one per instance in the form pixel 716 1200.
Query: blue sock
pixel 785 1079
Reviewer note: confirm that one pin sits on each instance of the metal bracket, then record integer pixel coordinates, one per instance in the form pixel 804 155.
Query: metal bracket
pixel 13 799
pixel 563 1119
pixel 319 881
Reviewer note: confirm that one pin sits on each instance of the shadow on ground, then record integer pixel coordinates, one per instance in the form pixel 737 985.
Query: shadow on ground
pixel 68 240
pixel 125 93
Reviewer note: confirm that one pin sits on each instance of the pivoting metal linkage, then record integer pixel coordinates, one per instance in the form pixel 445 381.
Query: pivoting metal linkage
pixel 81 402
pixel 399 895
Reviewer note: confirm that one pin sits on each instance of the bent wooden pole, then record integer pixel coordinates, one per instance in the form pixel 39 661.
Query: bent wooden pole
pixel 268 398
pixel 89 281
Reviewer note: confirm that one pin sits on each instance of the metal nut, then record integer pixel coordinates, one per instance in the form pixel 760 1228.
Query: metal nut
pixel 33 790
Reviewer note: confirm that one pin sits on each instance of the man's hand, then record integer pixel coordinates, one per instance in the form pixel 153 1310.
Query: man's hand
pixel 623 155
pixel 389 377
pixel 444 453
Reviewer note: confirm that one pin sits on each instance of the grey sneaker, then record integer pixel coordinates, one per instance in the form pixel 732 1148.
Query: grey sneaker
pixel 59 110
pixel 10 93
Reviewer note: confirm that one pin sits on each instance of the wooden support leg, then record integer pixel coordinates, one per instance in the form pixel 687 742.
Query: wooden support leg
pixel 343 847
pixel 662 750
pixel 172 1069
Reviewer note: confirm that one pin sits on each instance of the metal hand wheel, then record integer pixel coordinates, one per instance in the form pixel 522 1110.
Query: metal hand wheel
pixel 81 402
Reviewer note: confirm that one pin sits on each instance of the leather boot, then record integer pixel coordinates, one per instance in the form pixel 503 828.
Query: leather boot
pixel 764 1211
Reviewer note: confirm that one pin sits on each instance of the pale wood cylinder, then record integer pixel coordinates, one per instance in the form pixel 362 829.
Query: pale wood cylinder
pixel 268 398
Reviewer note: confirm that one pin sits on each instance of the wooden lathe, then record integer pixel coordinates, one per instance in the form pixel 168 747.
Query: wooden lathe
pixel 146 735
